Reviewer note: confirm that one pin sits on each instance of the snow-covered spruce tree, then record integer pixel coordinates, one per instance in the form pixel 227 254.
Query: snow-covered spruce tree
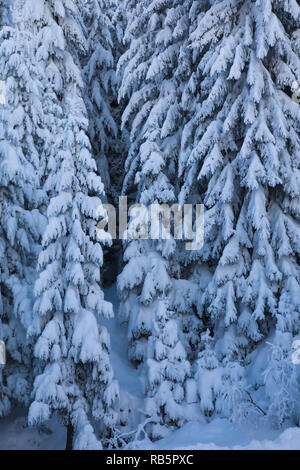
pixel 121 143
pixel 100 79
pixel 21 223
pixel 4 13
pixel 208 375
pixel 73 374
pixel 221 385
pixel 242 155
pixel 282 380
pixel 109 143
pixel 153 70
pixel 4 396
pixel 168 370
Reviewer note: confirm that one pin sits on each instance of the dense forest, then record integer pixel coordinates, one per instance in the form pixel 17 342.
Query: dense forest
pixel 187 102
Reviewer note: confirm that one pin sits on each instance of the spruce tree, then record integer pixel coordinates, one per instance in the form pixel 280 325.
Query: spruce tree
pixel 73 376
pixel 242 158
pixel 21 222
pixel 154 69
pixel 100 79
pixel 167 372
pixel 4 395
pixel 103 24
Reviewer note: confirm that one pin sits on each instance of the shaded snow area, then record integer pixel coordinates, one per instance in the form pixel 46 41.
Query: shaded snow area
pixel 195 435
pixel 125 373
pixel 16 435
pixel 218 435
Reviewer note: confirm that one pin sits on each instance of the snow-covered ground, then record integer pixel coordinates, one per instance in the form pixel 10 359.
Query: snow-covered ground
pixel 16 435
pixel 219 434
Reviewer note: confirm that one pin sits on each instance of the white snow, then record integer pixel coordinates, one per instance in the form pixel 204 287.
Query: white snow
pixel 218 435
pixel 16 435
pixel 125 373
pixel 195 435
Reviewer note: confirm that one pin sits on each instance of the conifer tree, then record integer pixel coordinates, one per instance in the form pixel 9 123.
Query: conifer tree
pixel 167 369
pixel 103 24
pixel 154 69
pixel 100 79
pixel 242 157
pixel 73 376
pixel 21 222
pixel 4 395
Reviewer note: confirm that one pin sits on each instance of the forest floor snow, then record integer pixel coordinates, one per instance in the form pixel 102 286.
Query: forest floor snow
pixel 218 434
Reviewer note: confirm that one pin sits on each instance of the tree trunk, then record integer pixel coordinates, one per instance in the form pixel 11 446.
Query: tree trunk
pixel 70 434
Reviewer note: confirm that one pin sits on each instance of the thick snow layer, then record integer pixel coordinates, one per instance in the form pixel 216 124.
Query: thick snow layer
pixel 125 373
pixel 16 435
pixel 219 434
